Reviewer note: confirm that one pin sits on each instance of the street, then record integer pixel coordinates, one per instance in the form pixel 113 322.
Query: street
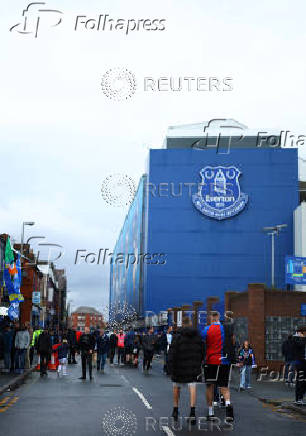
pixel 123 401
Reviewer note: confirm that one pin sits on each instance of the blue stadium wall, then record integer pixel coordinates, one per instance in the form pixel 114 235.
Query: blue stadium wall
pixel 206 257
pixel 126 278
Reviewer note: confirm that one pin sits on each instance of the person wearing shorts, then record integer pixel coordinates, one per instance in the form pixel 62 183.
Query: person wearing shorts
pixel 185 357
pixel 219 354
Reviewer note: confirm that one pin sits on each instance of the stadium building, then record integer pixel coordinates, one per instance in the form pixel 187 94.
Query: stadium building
pixel 195 226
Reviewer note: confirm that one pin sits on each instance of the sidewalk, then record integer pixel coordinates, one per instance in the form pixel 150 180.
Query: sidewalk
pixel 11 381
pixel 277 393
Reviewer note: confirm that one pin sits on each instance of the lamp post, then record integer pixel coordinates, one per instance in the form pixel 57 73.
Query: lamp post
pixel 25 223
pixel 273 230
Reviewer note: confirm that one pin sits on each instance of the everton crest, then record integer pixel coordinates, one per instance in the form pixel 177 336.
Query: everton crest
pixel 219 194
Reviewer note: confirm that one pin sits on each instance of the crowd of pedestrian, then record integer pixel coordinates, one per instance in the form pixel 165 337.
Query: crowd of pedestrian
pixel 294 352
pixel 189 356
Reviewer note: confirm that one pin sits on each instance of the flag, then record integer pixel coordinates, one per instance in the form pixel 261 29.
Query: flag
pixel 12 279
pixel 8 254
pixel 13 311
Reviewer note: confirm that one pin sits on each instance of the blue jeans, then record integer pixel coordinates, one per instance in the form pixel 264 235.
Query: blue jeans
pixel 20 360
pixel 245 376
pixel 289 371
pixel 7 360
pixel 101 359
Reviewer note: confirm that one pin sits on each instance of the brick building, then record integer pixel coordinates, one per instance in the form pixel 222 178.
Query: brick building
pixel 85 316
pixel 266 317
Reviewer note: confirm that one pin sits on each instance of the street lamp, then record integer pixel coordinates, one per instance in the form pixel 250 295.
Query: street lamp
pixel 273 230
pixel 25 223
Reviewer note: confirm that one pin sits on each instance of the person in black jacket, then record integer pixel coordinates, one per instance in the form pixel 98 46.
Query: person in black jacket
pixel 87 344
pixel 185 357
pixel 288 353
pixel 44 349
pixel 299 352
pixel 113 340
pixel 102 350
pixel 148 343
pixel 72 342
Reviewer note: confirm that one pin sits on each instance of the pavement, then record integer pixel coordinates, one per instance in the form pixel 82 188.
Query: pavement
pixel 274 392
pixel 124 402
pixel 9 381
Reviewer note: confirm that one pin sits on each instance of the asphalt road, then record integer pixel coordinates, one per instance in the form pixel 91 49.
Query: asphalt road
pixel 123 401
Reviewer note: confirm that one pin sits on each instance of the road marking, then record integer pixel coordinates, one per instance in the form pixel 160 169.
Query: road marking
pixel 124 378
pixel 13 401
pixel 141 396
pixel 5 404
pixel 167 430
pixel 2 402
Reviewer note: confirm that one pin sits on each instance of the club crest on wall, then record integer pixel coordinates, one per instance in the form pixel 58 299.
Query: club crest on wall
pixel 219 195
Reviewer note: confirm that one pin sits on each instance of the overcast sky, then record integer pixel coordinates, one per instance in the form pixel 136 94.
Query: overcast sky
pixel 61 136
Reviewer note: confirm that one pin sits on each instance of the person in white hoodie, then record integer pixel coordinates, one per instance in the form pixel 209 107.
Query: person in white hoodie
pixel 22 343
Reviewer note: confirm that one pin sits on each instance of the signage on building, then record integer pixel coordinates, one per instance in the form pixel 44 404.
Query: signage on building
pixel 36 297
pixel 179 319
pixel 50 295
pixel 296 270
pixel 303 309
pixel 219 195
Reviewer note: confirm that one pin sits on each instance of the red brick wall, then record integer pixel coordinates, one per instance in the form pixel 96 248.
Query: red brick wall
pixel 258 303
pixel 256 320
pixel 27 286
pixel 284 303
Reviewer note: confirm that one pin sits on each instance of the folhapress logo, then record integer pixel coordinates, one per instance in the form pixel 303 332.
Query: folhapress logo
pixel 35 14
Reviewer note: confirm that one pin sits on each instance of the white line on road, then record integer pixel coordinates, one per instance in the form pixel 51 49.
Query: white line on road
pixel 167 430
pixel 124 378
pixel 141 396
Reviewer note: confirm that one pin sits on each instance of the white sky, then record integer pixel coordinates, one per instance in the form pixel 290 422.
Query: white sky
pixel 60 136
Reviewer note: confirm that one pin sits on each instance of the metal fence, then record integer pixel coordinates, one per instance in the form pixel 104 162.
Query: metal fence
pixel 277 329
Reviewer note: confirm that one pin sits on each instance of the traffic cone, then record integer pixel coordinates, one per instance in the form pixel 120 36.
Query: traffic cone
pixel 53 364
pixel 37 367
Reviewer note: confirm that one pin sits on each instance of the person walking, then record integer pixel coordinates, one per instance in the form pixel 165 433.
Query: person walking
pixel 27 356
pixel 113 341
pixel 148 343
pixel 185 357
pixel 8 337
pixel 299 353
pixel 44 349
pixel 136 348
pixel 102 350
pixel 288 353
pixel 165 345
pixel 37 331
pixel 219 354
pixel 246 359
pixel 87 344
pixel 62 353
pixel 22 342
pixel 129 341
pixel 15 328
pixel 120 348
pixel 72 343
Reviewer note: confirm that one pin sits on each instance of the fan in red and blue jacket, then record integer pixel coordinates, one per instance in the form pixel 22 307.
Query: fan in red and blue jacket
pixel 219 348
